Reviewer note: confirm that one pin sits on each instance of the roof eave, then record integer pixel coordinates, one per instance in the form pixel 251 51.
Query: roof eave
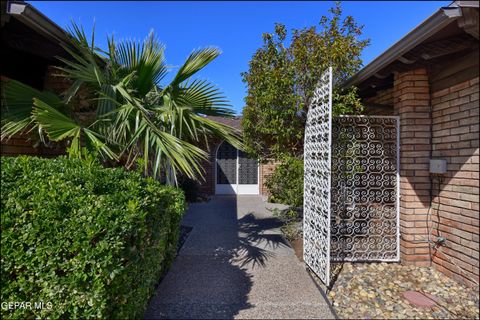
pixel 37 21
pixel 426 29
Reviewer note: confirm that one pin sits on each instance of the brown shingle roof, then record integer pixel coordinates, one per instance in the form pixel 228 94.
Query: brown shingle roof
pixel 232 122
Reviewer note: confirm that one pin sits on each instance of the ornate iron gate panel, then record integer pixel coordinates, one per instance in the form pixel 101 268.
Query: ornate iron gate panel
pixel 364 199
pixel 317 159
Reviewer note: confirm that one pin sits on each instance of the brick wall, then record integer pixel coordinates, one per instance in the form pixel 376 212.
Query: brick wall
pixel 266 169
pixel 412 105
pixel 384 97
pixel 26 145
pixel 207 186
pixel 433 206
pixel 57 84
pixel 455 210
pixel 19 145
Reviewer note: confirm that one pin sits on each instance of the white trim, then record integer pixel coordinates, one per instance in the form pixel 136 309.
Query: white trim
pixel 329 205
pixel 398 188
pixel 237 167
pixel 248 189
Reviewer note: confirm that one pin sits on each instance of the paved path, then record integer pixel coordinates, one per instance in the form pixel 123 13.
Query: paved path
pixel 236 264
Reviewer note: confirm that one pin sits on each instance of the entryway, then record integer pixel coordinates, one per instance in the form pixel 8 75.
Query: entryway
pixel 236 172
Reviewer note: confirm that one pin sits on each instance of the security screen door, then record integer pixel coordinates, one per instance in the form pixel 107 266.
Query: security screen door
pixel 236 172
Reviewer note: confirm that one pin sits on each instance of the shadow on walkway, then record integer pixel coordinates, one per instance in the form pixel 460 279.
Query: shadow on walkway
pixel 255 246
pixel 235 264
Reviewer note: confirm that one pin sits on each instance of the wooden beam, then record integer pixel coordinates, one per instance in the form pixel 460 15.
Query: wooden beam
pixel 445 69
pixel 443 47
pixel 469 21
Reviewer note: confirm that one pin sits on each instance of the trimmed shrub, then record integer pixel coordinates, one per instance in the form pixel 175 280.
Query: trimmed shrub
pixel 285 184
pixel 86 241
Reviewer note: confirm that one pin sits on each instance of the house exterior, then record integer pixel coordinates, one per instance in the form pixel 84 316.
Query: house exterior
pixel 429 79
pixel 30 43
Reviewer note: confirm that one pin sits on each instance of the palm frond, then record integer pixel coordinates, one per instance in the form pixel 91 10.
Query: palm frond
pixel 61 127
pixel 220 130
pixel 145 59
pixel 135 115
pixel 57 125
pixel 204 98
pixel 195 62
pixel 18 105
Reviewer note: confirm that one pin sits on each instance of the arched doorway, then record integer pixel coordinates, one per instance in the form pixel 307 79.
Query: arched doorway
pixel 235 172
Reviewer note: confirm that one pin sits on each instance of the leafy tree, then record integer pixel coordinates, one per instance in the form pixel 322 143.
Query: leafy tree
pixel 282 77
pixel 136 117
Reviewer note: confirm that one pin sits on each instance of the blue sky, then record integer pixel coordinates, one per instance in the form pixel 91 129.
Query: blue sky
pixel 234 27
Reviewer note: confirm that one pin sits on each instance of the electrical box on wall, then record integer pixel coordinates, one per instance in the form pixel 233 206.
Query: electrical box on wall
pixel 438 166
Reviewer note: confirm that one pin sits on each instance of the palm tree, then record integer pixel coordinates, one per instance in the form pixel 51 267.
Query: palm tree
pixel 137 119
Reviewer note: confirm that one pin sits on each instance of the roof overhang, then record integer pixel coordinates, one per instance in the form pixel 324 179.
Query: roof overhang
pixel 436 22
pixel 33 18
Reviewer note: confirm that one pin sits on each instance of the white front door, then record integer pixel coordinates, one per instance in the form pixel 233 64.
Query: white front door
pixel 236 173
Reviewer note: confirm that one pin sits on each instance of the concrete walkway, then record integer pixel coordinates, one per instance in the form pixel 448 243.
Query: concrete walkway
pixel 236 264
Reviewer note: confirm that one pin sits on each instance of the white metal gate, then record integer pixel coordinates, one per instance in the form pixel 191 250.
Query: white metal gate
pixel 351 200
pixel 317 168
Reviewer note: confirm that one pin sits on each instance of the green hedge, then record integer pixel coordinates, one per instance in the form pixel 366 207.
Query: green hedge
pixel 285 184
pixel 85 241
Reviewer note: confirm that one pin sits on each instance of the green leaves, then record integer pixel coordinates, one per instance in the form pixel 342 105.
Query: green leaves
pixel 283 75
pixel 136 117
pixel 60 127
pixel 145 60
pixel 285 184
pixel 93 242
pixel 17 107
pixel 57 125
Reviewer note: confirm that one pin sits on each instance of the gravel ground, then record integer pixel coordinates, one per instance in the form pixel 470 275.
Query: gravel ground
pixel 374 290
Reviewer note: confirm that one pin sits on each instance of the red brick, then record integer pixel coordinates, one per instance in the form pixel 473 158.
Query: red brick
pixel 460 86
pixel 449 97
pixel 469 90
pixel 441 93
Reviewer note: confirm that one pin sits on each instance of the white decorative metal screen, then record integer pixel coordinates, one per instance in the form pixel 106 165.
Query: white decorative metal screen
pixel 351 208
pixel 317 162
pixel 364 206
